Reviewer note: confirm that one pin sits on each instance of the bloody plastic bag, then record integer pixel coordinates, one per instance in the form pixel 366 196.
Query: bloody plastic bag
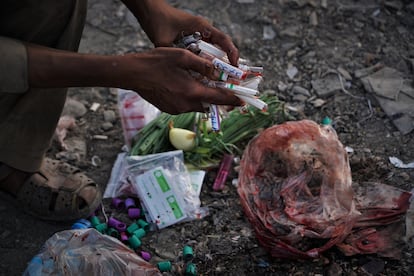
pixel 296 189
pixel 87 252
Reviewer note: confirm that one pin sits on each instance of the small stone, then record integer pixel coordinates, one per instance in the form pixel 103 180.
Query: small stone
pixel 300 90
pixel 318 103
pixel 345 74
pixel 313 19
pixel 107 126
pixel 374 267
pixel 109 116
pixel 292 71
pixel 405 176
pixel 405 124
pixel 299 98
pixel 282 87
pixel 269 92
pixel 268 33
pixel 367 71
pixel 73 108
pixel 334 269
pixel 291 53
pixel 327 86
pixel 292 31
pixel 396 5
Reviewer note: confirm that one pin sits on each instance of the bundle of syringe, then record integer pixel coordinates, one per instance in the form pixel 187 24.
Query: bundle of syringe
pixel 243 80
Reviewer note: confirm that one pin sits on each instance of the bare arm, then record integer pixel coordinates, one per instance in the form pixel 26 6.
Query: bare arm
pixel 161 75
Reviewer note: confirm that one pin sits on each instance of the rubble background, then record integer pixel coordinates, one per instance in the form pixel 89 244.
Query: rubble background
pixel 315 54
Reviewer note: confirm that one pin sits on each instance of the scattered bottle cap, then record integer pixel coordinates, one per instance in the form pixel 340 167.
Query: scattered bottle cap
pixel 134 242
pixel 78 225
pixel 140 233
pixel 102 227
pixel 118 225
pixel 95 221
pixel 145 255
pixel 143 224
pixel 190 270
pixel 134 213
pixel 164 266
pixel 129 203
pixel 118 203
pixel 188 254
pixel 123 237
pixel 112 232
pixel 82 224
pixel 326 121
pixel 131 228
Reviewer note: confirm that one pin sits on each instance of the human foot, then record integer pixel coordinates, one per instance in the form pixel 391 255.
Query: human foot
pixel 58 191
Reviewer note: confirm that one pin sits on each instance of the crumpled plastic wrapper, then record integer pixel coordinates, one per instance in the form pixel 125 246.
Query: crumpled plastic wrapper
pixel 296 190
pixel 88 252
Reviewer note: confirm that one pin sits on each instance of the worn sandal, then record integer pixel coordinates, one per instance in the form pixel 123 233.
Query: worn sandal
pixel 58 191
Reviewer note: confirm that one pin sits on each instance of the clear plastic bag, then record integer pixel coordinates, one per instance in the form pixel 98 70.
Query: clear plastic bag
pixel 164 187
pixel 135 113
pixel 87 252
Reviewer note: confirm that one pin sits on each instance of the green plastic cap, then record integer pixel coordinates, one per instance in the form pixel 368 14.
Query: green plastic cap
pixel 164 266
pixel 112 232
pixel 102 227
pixel 188 253
pixel 133 227
pixel 190 270
pixel 326 121
pixel 95 221
pixel 134 242
pixel 140 233
pixel 143 224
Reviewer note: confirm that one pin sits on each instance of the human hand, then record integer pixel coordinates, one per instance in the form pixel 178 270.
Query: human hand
pixel 163 77
pixel 165 24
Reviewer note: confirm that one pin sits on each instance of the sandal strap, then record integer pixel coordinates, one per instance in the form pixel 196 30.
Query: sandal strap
pixel 54 192
pixel 60 176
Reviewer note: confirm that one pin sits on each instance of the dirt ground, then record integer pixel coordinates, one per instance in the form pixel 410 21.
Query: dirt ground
pixel 315 37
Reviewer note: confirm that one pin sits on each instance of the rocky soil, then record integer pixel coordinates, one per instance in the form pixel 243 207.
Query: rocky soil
pixel 315 54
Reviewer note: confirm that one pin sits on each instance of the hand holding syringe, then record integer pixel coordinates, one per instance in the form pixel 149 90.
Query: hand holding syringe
pixel 242 80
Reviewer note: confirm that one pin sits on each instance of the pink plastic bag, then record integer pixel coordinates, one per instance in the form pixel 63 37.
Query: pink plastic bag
pixel 296 189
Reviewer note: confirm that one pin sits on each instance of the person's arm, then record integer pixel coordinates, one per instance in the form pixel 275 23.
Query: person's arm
pixel 164 24
pixel 161 76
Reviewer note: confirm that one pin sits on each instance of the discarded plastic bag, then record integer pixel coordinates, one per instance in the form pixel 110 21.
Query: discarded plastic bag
pixel 119 177
pixel 87 252
pixel 163 185
pixel 296 189
pixel 135 113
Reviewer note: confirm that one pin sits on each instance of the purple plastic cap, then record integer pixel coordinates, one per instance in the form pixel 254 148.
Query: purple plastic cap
pixel 124 237
pixel 118 225
pixel 146 255
pixel 134 213
pixel 129 203
pixel 118 203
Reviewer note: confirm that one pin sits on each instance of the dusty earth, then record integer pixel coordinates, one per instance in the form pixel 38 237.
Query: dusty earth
pixel 315 37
